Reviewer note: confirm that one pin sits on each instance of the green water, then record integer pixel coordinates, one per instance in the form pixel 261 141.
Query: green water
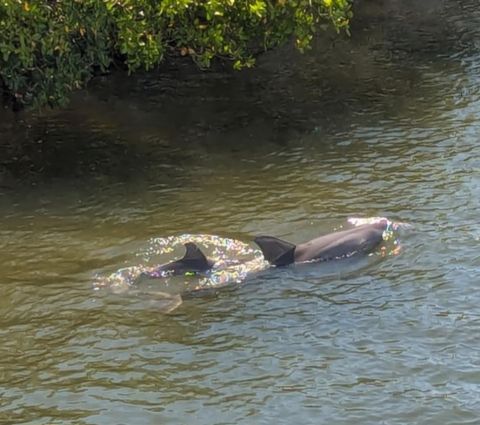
pixel 386 123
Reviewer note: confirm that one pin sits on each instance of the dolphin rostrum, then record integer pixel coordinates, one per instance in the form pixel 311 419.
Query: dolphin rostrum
pixel 333 246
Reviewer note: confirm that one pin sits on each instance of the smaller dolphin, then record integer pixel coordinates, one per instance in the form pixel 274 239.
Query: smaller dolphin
pixel 194 261
pixel 333 246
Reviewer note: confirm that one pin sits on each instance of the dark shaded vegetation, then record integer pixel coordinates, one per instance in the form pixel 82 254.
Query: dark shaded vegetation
pixel 50 48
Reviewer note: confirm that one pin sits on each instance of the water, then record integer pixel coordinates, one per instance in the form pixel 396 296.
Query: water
pixel 383 124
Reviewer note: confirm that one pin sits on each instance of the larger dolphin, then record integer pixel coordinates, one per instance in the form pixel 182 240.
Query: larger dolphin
pixel 333 246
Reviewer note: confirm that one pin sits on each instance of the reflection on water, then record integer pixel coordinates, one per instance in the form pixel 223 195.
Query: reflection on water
pixel 383 124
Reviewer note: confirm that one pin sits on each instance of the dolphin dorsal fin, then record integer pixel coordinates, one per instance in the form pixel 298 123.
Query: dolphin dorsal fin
pixel 276 251
pixel 193 261
pixel 195 258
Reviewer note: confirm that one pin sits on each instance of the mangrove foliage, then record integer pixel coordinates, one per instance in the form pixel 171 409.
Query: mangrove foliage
pixel 50 47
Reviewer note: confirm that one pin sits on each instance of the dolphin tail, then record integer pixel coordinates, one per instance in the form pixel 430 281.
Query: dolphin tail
pixel 276 251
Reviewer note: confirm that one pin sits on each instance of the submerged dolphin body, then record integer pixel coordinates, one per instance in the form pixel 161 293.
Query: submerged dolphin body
pixel 333 246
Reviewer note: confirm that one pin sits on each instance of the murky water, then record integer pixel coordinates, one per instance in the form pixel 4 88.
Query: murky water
pixel 384 124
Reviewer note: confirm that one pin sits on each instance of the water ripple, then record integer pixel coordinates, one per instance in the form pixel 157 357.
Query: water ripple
pixel 384 123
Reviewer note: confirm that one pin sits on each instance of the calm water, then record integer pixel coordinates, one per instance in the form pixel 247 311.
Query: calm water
pixel 386 123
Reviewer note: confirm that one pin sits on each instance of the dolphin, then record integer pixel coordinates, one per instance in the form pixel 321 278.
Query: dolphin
pixel 332 246
pixel 193 262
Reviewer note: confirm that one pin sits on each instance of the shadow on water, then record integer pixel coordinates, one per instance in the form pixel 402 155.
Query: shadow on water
pixel 138 128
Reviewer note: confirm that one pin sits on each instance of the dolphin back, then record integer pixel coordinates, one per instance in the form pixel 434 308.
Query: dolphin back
pixel 342 244
pixel 193 261
pixel 276 251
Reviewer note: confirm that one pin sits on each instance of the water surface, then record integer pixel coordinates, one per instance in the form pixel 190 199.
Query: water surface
pixel 383 124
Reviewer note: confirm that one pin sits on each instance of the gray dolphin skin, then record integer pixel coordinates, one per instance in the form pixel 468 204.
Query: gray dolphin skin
pixel 194 261
pixel 333 246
